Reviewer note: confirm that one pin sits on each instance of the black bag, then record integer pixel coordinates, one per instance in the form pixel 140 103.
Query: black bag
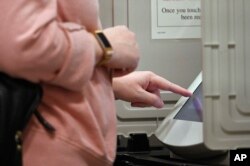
pixel 18 101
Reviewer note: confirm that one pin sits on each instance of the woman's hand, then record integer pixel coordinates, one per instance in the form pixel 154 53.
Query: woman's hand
pixel 142 88
pixel 126 53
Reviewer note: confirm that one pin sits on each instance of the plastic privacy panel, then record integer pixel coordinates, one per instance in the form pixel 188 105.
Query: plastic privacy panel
pixel 226 73
pixel 106 13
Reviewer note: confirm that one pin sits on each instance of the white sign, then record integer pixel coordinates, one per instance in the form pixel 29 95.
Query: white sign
pixel 175 19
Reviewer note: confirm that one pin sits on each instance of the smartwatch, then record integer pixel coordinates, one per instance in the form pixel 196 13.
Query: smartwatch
pixel 105 45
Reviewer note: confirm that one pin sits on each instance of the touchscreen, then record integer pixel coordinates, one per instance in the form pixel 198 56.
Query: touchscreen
pixel 192 109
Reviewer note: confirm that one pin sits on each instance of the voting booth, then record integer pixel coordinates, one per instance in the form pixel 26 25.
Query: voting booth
pixel 202 45
pixel 172 54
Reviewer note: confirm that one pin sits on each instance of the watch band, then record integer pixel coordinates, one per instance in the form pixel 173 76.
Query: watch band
pixel 105 45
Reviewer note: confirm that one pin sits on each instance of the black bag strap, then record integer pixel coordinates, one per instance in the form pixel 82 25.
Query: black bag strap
pixel 19 100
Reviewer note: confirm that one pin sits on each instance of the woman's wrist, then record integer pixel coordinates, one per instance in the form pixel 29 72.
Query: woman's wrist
pixel 98 50
pixel 105 46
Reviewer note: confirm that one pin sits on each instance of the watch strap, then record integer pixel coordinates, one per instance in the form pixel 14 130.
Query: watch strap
pixel 105 45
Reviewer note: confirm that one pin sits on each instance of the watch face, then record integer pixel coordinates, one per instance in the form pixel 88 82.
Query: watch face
pixel 104 40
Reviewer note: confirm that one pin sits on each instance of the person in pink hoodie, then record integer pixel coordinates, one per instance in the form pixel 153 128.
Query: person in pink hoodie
pixel 51 42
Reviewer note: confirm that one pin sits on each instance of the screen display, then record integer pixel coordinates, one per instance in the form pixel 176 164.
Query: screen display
pixel 104 40
pixel 192 109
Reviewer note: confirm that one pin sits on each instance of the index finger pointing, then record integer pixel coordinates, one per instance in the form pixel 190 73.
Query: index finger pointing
pixel 164 84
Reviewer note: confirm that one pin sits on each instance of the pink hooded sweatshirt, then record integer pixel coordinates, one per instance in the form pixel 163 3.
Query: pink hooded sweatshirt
pixel 48 41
